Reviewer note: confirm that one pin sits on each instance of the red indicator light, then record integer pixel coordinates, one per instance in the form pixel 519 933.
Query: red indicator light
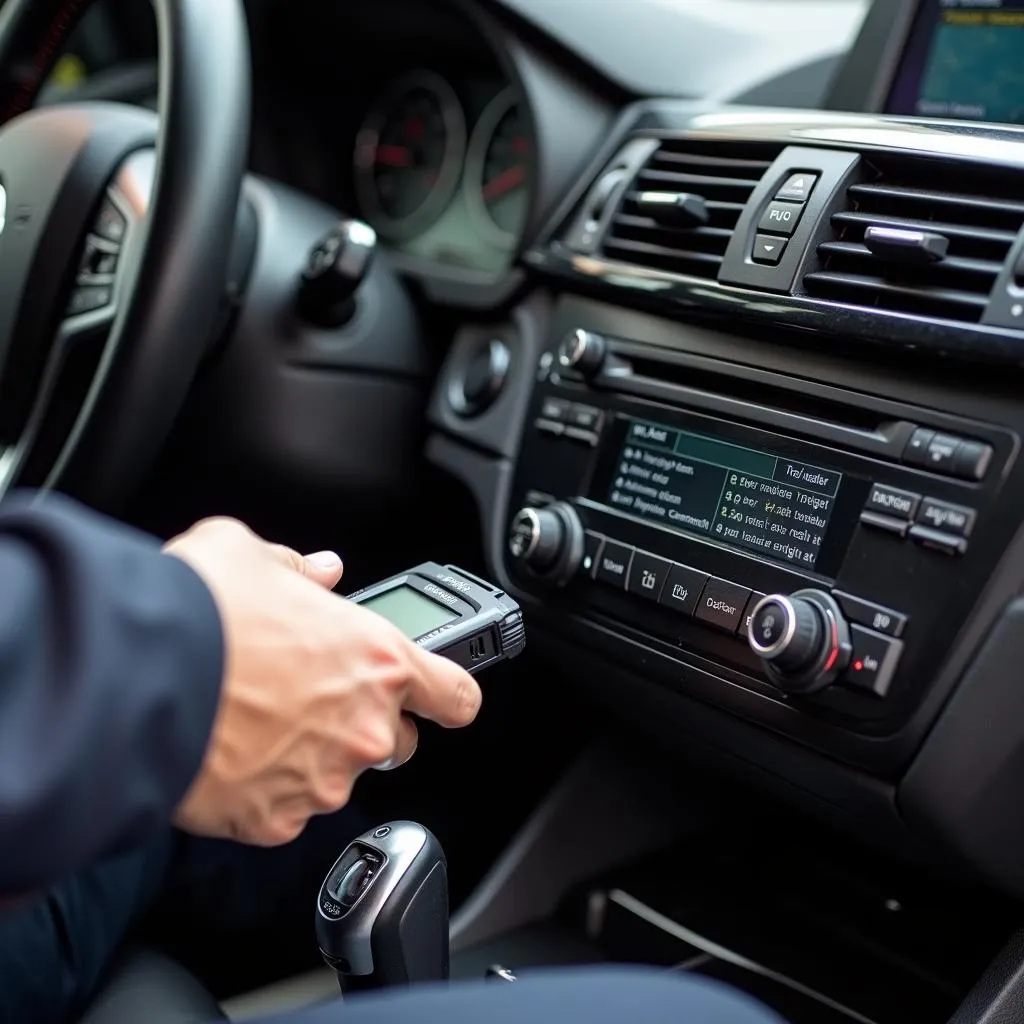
pixel 858 665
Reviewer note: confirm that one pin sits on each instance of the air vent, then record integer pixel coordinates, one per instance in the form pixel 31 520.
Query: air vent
pixel 967 216
pixel 717 177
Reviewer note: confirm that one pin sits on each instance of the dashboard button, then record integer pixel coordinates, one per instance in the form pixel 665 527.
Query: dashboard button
pixel 874 661
pixel 592 544
pixel 954 519
pixel 874 616
pixel 722 604
pixel 683 587
pixel 90 298
pixel 916 452
pixel 942 453
pixel 780 218
pixel 947 543
pixel 972 460
pixel 110 223
pixel 613 564
pixel 886 523
pixel 768 249
pixel 797 187
pixel 748 613
pixel 889 501
pixel 586 417
pixel 555 409
pixel 647 575
pixel 587 437
pixel 550 427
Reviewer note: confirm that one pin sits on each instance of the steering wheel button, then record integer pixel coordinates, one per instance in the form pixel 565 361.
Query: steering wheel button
pixel 110 223
pixel 90 298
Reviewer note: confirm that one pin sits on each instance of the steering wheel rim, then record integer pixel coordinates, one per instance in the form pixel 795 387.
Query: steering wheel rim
pixel 169 293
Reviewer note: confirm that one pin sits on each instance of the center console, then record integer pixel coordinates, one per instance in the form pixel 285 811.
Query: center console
pixel 804 556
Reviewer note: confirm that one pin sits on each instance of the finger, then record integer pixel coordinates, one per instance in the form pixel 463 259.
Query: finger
pixel 405 747
pixel 442 691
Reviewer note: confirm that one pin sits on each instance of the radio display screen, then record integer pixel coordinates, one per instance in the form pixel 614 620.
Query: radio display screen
pixel 965 60
pixel 741 497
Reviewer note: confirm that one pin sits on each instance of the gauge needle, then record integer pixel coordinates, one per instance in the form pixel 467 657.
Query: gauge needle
pixel 393 156
pixel 504 182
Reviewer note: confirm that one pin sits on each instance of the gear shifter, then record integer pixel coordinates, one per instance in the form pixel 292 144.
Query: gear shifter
pixel 382 911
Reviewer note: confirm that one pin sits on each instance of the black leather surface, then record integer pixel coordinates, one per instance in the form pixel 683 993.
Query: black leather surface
pixel 146 986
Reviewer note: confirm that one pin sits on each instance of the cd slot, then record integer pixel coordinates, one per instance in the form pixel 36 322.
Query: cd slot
pixel 679 379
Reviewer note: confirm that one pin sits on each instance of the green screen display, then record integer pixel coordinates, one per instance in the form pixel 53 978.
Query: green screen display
pixel 412 612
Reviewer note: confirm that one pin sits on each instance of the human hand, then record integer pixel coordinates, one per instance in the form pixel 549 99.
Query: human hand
pixel 314 689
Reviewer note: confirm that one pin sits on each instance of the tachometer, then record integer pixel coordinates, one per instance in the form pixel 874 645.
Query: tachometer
pixel 409 155
pixel 498 169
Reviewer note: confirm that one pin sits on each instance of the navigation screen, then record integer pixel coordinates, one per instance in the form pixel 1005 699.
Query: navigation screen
pixel 739 496
pixel 964 60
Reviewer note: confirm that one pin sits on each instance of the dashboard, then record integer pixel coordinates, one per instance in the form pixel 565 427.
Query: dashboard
pixel 738 328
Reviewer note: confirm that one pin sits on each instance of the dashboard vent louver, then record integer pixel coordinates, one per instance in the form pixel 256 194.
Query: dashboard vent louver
pixel 722 174
pixel 976 209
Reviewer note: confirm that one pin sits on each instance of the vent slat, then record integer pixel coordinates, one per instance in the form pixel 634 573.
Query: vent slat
pixel 879 286
pixel 723 174
pixel 984 268
pixel 944 200
pixel 627 220
pixel 756 168
pixel 663 252
pixel 696 182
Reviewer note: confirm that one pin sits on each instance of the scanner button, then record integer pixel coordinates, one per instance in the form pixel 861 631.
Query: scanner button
pixel 722 604
pixel 613 564
pixel 682 588
pixel 647 575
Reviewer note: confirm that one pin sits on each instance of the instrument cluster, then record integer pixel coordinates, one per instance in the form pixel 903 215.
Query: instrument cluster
pixel 442 169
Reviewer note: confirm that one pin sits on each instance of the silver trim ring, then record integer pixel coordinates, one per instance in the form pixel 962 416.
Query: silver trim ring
pixel 787 637
pixel 535 529
pixel 571 358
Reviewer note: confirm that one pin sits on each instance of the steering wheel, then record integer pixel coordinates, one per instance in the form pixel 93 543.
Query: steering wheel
pixel 116 227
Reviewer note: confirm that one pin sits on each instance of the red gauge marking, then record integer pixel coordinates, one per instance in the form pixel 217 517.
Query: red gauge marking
pixel 504 182
pixel 393 156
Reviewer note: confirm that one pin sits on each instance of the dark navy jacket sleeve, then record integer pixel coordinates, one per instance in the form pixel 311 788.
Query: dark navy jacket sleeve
pixel 111 657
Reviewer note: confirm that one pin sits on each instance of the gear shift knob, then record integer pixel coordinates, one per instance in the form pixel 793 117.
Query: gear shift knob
pixel 382 911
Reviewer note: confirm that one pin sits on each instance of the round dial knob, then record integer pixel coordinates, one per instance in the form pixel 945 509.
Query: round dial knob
pixel 548 541
pixel 802 639
pixel 582 351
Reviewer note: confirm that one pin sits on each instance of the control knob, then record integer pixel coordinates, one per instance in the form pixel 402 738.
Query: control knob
pixel 803 640
pixel 548 541
pixel 582 351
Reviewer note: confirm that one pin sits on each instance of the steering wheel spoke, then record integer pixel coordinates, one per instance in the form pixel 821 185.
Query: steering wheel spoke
pixel 114 255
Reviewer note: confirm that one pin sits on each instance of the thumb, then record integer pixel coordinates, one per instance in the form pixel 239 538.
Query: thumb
pixel 324 567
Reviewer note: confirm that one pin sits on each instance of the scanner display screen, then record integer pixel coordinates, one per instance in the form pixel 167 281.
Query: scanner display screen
pixel 412 612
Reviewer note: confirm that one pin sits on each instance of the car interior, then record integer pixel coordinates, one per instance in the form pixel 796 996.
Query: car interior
pixel 515 286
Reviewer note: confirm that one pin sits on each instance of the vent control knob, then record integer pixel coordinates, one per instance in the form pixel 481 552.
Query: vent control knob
pixel 803 640
pixel 582 351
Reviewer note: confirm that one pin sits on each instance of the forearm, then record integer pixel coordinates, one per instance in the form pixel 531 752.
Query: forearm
pixel 111 656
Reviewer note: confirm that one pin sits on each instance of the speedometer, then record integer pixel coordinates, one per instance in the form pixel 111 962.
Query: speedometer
pixel 409 155
pixel 497 169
